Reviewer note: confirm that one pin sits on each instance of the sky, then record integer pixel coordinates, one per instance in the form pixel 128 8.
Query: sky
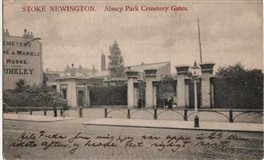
pixel 231 32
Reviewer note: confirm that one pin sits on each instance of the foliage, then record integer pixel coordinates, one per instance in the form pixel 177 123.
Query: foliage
pixel 116 61
pixel 33 96
pixel 167 79
pixel 236 87
pixel 21 85
pixel 112 95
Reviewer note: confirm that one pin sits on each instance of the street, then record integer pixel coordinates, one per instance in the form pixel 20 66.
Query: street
pixel 70 139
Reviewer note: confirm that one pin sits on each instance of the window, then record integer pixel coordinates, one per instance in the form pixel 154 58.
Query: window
pixel 54 87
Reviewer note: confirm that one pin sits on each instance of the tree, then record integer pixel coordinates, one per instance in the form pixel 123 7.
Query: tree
pixel 237 87
pixel 116 61
pixel 168 79
pixel 231 71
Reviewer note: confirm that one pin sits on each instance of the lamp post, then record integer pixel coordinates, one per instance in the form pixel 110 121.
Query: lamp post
pixel 195 73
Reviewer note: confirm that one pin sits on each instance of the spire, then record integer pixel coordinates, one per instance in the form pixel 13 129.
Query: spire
pixel 103 63
pixel 200 47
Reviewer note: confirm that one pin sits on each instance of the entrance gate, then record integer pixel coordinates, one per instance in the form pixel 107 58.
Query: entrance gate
pixel 167 89
pixel 141 94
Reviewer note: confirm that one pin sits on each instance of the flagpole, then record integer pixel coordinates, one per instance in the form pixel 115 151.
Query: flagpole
pixel 200 47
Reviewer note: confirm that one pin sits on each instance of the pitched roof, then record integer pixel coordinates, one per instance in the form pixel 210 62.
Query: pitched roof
pixel 142 67
pixel 103 73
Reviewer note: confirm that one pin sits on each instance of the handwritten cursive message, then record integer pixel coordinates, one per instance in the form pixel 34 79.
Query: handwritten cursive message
pixel 47 141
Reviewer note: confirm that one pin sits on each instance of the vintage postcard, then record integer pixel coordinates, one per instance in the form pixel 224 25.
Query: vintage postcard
pixel 132 79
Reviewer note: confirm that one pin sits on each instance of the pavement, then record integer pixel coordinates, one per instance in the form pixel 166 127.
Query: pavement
pixel 140 123
pixel 34 118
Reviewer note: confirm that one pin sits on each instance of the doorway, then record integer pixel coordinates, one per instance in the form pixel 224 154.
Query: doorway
pixel 81 97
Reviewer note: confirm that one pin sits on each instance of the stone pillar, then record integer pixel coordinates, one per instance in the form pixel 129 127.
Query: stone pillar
pixel 187 101
pixel 72 94
pixel 212 92
pixel 155 88
pixel 182 74
pixel 88 101
pixel 135 95
pixel 212 96
pixel 207 71
pixel 154 96
pixel 150 77
pixel 58 87
pixel 131 79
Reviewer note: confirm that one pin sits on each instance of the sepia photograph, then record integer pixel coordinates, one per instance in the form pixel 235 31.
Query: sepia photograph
pixel 132 79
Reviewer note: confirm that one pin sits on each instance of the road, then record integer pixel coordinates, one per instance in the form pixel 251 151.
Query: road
pixel 72 140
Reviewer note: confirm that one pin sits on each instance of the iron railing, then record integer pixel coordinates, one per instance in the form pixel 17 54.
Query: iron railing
pixel 229 114
pixel 30 109
pixel 185 113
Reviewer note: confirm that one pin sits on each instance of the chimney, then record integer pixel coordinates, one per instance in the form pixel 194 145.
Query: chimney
pixel 72 71
pixel 6 33
pixel 103 64
pixel 28 34
pixel 25 33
